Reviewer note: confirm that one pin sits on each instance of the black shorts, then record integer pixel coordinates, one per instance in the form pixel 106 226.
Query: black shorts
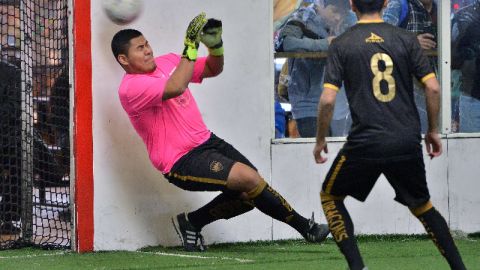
pixel 206 167
pixel 356 177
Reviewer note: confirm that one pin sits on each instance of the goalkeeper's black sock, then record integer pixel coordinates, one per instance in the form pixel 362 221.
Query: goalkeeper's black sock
pixel 270 202
pixel 224 206
pixel 341 227
pixel 437 229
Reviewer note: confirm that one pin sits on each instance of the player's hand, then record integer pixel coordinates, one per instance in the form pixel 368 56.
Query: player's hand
pixel 211 36
pixel 427 41
pixel 192 37
pixel 434 144
pixel 317 151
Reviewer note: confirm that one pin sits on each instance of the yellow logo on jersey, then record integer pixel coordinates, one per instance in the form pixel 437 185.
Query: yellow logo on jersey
pixel 374 39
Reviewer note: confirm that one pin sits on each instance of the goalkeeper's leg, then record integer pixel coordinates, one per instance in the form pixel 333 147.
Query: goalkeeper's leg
pixel 225 206
pixel 245 179
pixel 341 227
pixel 437 229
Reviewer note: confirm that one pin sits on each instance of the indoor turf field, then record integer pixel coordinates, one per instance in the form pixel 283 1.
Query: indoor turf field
pixel 380 252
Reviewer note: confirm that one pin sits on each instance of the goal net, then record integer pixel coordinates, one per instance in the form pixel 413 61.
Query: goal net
pixel 34 124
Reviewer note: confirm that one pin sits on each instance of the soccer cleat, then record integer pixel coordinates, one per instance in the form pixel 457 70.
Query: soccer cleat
pixel 191 239
pixel 316 233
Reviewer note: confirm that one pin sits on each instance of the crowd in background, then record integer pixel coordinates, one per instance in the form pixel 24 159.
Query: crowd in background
pixel 310 26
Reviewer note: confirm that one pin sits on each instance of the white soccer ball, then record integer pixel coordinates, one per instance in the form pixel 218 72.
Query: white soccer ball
pixel 122 11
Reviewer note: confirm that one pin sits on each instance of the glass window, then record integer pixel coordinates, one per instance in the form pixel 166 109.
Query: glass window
pixel 302 29
pixel 465 65
pixel 420 18
pixel 302 37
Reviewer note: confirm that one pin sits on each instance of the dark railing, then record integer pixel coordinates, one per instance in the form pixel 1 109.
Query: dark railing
pixel 324 54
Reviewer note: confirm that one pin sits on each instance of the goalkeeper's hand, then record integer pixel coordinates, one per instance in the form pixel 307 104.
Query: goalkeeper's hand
pixel 211 36
pixel 192 36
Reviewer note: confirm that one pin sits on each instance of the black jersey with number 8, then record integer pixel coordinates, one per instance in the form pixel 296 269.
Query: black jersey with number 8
pixel 377 63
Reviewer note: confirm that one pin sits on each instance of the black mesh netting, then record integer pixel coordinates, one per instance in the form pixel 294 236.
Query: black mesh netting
pixel 34 124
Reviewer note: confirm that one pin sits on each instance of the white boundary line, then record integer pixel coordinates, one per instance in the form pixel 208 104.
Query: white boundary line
pixel 153 253
pixel 197 256
pixel 34 256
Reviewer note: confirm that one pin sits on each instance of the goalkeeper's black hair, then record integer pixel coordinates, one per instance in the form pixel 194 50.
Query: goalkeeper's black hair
pixel 121 41
pixel 368 6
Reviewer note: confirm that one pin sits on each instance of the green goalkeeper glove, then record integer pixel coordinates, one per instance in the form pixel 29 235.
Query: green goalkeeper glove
pixel 192 36
pixel 211 36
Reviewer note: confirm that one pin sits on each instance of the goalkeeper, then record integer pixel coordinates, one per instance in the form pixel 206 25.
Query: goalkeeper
pixel 154 93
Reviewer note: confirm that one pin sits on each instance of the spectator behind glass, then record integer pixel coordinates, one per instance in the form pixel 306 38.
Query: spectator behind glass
pixel 419 17
pixel 281 10
pixel 466 59
pixel 311 28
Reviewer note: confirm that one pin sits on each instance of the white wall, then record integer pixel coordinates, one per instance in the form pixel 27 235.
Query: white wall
pixel 133 203
pixel 464 184
pixel 294 169
pixel 452 179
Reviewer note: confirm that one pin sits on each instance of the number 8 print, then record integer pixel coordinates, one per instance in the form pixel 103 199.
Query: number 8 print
pixel 383 75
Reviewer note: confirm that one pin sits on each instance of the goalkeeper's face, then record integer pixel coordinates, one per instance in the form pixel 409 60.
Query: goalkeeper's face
pixel 140 57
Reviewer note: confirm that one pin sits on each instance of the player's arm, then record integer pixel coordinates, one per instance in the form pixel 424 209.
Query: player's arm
pixel 333 80
pixel 294 44
pixel 432 96
pixel 178 81
pixel 213 66
pixel 294 40
pixel 423 70
pixel 211 37
pixel 326 106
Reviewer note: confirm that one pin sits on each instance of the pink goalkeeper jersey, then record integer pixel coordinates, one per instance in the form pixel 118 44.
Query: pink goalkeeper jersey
pixel 169 128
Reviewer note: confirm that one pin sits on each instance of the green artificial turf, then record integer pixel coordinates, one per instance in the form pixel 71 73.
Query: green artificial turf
pixel 379 252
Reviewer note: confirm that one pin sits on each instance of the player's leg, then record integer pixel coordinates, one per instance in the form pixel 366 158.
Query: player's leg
pixel 346 177
pixel 225 206
pixel 342 229
pixel 243 178
pixel 189 225
pixel 229 204
pixel 310 230
pixel 438 230
pixel 205 169
pixel 411 190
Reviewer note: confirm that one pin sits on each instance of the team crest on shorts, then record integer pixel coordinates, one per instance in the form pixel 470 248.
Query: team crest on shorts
pixel 216 166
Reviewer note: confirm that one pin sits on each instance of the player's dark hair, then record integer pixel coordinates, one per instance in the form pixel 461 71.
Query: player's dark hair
pixel 121 41
pixel 368 6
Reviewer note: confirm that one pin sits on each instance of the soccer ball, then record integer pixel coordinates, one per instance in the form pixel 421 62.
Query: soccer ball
pixel 122 11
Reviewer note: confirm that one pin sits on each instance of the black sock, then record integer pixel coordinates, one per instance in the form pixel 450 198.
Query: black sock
pixel 224 206
pixel 271 203
pixel 437 229
pixel 341 227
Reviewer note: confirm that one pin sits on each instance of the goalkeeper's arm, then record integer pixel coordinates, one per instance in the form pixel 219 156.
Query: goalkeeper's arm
pixel 180 78
pixel 211 37
pixel 213 66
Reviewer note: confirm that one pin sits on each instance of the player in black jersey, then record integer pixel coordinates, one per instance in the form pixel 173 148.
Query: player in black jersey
pixel 376 61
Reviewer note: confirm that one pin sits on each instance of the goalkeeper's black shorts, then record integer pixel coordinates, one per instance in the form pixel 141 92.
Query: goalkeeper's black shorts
pixel 356 177
pixel 206 167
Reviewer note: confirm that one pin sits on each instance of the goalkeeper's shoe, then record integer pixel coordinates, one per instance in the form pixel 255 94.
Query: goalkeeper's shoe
pixel 316 233
pixel 191 238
